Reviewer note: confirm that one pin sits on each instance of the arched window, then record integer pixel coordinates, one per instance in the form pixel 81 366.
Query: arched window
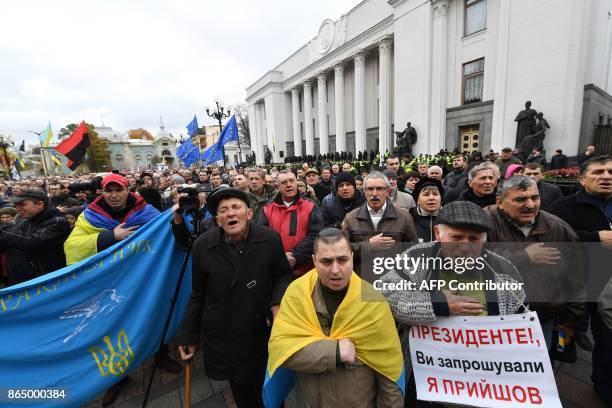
pixel 166 152
pixel 138 161
pixel 149 159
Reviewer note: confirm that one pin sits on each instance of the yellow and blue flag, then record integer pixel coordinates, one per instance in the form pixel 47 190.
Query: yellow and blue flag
pixel 46 136
pixel 84 327
pixel 368 324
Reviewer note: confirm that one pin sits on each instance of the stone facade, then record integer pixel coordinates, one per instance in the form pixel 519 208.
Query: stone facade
pixel 388 62
pixel 136 154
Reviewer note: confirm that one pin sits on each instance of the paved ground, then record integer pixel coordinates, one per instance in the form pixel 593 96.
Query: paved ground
pixel 573 383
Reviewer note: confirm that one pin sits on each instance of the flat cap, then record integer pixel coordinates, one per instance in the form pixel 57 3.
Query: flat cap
pixel 222 192
pixel 311 170
pixel 38 195
pixel 464 214
pixel 506 149
pixel 390 173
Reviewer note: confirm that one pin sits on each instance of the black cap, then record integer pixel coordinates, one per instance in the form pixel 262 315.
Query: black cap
pixel 222 192
pixel 344 177
pixel 425 182
pixel 38 195
pixel 464 214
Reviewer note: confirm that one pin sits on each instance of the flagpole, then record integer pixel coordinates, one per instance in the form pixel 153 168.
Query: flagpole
pixel 42 154
pixel 44 160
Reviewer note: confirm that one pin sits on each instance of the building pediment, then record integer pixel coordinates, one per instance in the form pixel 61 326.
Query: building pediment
pixel 331 35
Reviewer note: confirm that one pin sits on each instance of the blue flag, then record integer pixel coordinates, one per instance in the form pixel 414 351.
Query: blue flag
pixel 229 132
pixel 192 127
pixel 86 326
pixel 212 155
pixel 188 153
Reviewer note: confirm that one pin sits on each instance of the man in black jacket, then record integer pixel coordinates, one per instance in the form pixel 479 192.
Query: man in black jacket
pixel 34 246
pixel 346 199
pixel 558 160
pixel 61 199
pixel 549 193
pixel 482 181
pixel 312 179
pixel 589 213
pixel 459 174
pixel 236 292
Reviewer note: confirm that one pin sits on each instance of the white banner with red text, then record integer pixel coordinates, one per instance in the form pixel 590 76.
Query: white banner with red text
pixel 484 361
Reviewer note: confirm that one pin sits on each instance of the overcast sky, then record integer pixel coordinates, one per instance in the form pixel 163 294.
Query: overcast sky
pixel 132 61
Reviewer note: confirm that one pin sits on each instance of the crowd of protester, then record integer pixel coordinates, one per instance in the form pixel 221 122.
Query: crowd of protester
pixel 335 216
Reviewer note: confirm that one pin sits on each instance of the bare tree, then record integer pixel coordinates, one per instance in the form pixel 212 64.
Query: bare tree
pixel 242 119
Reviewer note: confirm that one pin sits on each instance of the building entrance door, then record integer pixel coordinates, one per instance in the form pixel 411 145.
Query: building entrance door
pixel 469 138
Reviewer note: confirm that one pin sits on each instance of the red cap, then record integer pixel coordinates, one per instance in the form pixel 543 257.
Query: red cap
pixel 114 178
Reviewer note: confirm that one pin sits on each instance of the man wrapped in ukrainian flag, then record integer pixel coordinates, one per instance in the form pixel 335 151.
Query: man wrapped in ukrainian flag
pixel 110 218
pixel 334 338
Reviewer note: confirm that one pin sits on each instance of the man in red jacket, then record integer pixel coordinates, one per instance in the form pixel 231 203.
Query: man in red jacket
pixel 297 220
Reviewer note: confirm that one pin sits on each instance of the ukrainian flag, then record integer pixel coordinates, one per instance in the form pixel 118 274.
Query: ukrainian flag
pixel 367 323
pixel 46 136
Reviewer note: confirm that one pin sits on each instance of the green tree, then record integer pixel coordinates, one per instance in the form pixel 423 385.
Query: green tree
pixel 98 156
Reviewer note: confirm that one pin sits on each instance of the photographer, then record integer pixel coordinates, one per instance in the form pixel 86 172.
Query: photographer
pixel 189 212
pixel 86 191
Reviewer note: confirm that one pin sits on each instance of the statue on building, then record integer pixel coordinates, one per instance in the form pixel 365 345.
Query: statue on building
pixel 405 140
pixel 526 123
pixel 268 156
pixel 536 139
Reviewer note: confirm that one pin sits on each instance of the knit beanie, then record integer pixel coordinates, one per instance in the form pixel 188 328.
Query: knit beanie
pixel 344 177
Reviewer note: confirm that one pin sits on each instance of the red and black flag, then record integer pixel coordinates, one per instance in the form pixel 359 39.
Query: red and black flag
pixel 75 146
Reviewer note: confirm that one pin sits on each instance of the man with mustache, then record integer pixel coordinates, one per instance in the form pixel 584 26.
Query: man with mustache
pixel 296 219
pixel 551 271
pixel 375 227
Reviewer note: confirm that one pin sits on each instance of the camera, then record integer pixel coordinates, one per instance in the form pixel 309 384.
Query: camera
pixel 190 202
pixel 89 186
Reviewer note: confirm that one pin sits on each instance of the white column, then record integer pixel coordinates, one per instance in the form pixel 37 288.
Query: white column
pixel 295 106
pixel 308 127
pixel 384 95
pixel 252 108
pixel 339 107
pixel 261 133
pixel 322 99
pixel 498 139
pixel 360 124
pixel 439 75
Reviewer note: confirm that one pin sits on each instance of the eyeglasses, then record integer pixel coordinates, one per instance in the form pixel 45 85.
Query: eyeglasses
pixel 370 189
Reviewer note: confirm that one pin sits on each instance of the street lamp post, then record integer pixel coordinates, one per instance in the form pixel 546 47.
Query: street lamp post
pixel 42 154
pixel 219 115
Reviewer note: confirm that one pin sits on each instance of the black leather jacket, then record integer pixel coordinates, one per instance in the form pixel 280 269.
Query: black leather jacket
pixel 35 246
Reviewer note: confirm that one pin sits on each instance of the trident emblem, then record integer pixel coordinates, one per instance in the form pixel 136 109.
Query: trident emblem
pixel 116 361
